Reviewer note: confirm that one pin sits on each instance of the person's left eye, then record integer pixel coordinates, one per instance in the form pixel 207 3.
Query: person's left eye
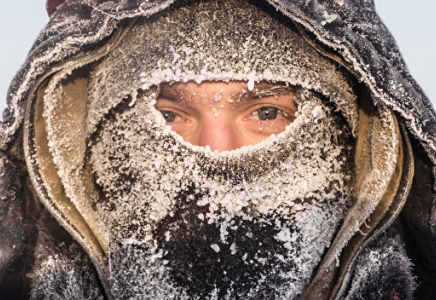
pixel 170 116
pixel 268 113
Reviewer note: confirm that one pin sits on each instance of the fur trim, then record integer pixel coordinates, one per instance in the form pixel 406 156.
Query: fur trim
pixel 63 272
pixel 383 271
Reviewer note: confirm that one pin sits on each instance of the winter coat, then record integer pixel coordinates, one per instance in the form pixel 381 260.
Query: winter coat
pixel 387 243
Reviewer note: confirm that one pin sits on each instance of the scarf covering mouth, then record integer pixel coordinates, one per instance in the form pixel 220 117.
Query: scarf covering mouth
pixel 176 231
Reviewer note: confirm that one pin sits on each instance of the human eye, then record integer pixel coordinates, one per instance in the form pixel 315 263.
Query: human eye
pixel 269 113
pixel 171 111
pixel 170 116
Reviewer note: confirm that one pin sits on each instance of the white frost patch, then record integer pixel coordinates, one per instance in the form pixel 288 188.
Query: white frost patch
pixel 250 85
pixel 329 18
pixel 233 249
pixel 318 112
pixel 215 248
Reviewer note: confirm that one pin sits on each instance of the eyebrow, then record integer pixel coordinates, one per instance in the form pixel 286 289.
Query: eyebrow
pixel 264 89
pixel 260 90
pixel 179 96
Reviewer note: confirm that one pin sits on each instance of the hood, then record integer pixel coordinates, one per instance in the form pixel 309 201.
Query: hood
pixel 348 32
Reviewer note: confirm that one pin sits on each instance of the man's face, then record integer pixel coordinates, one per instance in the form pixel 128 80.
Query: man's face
pixel 226 115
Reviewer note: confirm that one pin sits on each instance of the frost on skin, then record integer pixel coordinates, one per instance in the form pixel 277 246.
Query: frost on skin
pixel 183 222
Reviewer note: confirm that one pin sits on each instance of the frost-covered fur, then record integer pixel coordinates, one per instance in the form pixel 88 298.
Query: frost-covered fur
pixel 383 271
pixel 63 272
pixel 184 222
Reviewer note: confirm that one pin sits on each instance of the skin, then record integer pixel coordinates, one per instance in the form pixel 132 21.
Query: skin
pixel 226 115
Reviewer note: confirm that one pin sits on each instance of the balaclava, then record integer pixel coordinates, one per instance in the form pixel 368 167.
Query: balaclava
pixel 182 222
pixel 187 223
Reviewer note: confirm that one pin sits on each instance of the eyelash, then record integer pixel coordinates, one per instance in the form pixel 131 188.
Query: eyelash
pixel 164 112
pixel 255 113
pixel 279 111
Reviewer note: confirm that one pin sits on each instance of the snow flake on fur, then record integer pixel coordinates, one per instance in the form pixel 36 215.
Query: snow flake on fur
pixel 63 272
pixel 383 271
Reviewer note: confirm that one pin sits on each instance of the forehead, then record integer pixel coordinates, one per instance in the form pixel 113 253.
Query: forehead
pixel 221 84
pixel 231 88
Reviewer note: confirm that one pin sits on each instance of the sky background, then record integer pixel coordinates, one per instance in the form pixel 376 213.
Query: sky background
pixel 411 23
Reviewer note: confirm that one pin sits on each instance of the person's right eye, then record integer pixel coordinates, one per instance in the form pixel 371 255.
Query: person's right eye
pixel 170 116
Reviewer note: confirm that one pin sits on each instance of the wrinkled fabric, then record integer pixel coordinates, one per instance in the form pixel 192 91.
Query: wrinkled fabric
pixel 13 225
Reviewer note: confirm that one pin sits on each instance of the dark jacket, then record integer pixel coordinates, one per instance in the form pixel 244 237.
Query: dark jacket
pixel 348 32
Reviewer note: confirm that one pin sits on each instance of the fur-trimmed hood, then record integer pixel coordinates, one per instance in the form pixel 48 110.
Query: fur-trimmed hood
pixel 396 138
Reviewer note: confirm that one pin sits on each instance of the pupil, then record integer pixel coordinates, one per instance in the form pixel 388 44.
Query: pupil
pixel 169 116
pixel 267 113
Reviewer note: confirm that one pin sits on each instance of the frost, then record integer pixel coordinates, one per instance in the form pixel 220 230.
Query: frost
pixel 270 209
pixel 318 112
pixel 250 85
pixel 233 248
pixel 329 18
pixel 215 248
pixel 218 96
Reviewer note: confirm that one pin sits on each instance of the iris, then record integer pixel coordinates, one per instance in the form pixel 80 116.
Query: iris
pixel 169 116
pixel 267 113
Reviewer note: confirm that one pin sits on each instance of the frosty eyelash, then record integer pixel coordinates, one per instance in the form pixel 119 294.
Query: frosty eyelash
pixel 277 111
pixel 170 114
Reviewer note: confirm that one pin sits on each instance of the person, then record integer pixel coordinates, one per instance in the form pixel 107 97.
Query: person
pixel 216 150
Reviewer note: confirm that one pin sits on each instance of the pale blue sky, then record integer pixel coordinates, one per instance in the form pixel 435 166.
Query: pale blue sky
pixel 411 22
